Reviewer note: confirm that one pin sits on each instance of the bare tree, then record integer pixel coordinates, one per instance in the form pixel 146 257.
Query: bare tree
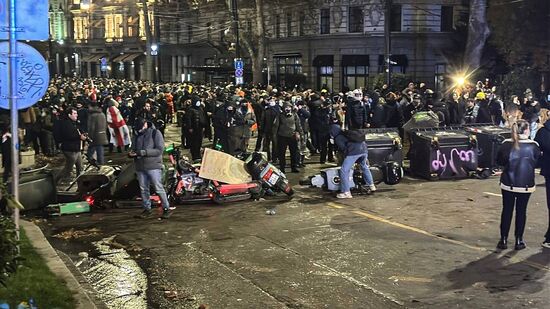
pixel 478 32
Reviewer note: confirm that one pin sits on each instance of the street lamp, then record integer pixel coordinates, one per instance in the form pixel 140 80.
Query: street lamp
pixel 154 49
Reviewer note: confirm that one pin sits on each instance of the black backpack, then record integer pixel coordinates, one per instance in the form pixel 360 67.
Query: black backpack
pixel 355 135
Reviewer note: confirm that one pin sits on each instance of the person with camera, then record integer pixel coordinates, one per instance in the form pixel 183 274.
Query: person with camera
pixel 71 139
pixel 147 149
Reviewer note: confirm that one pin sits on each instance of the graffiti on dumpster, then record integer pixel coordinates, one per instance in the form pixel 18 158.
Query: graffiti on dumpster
pixel 459 161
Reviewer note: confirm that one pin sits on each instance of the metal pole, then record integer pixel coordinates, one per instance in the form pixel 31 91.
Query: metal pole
pixel 13 112
pixel 149 64
pixel 234 8
pixel 387 35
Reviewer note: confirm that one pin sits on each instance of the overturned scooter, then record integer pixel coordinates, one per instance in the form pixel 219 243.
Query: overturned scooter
pixel 390 173
pixel 184 185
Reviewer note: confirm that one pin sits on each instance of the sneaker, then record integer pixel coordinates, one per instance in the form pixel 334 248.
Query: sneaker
pixel 520 245
pixel 372 188
pixel 146 213
pixel 344 195
pixel 546 244
pixel 502 244
pixel 166 213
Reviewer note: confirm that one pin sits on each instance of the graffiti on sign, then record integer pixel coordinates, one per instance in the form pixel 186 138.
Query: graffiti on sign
pixel 30 80
pixel 32 76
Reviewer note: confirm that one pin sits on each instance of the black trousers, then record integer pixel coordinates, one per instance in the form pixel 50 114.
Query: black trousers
pixel 258 146
pixel 283 142
pixel 320 142
pixel 509 201
pixel 195 143
pixel 270 146
pixel 547 182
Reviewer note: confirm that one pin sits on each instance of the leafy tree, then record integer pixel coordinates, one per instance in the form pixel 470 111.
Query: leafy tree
pixel 520 31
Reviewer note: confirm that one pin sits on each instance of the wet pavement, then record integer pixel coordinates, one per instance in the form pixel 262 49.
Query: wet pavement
pixel 418 244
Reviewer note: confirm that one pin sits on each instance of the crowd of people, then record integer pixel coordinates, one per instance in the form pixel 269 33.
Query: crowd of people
pixel 283 119
pixel 126 116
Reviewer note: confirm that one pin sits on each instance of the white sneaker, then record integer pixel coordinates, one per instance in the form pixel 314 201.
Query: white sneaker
pixel 546 244
pixel 344 195
pixel 372 187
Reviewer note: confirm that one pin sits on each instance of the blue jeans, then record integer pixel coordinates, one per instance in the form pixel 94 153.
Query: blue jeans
pixel 145 178
pixel 347 167
pixel 98 149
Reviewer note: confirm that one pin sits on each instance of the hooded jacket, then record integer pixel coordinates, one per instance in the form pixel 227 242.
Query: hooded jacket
pixel 97 127
pixel 149 146
pixel 518 174
pixel 347 147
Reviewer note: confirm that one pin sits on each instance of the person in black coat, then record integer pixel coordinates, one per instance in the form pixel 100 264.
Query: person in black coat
pixel 356 112
pixel 483 111
pixel 518 157
pixel 393 116
pixel 194 123
pixel 319 126
pixel 6 151
pixel 271 112
pixel 543 139
pixel 71 140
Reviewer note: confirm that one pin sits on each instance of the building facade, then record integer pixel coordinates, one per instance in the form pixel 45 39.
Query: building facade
pixel 335 44
pixel 99 37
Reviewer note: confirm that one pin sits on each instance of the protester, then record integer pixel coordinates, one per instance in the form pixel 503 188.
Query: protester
pixel 543 139
pixel 147 149
pixel 71 140
pixel 97 133
pixel 518 157
pixel 353 151
pixel 6 151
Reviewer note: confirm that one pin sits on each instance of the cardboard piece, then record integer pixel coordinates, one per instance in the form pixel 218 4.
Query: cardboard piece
pixel 222 167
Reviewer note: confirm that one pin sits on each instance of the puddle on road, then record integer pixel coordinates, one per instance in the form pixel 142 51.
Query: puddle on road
pixel 117 278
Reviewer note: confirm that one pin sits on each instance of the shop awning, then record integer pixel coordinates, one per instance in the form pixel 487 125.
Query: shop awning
pixel 355 60
pixel 400 60
pixel 323 61
pixel 93 57
pixel 119 58
pixel 131 57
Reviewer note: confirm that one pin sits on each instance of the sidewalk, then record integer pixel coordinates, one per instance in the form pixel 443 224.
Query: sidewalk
pixel 57 266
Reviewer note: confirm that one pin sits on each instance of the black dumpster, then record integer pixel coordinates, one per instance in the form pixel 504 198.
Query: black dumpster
pixel 489 139
pixel 384 146
pixel 443 153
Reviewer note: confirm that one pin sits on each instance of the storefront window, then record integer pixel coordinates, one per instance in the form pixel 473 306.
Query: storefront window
pixel 356 77
pixel 288 70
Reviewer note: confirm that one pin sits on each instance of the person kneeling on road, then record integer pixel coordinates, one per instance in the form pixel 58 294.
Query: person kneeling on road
pixel 147 149
pixel 353 151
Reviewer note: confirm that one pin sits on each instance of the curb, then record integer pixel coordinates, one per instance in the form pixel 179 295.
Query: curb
pixel 56 265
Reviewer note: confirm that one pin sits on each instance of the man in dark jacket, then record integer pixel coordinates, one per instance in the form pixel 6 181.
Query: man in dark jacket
pixel 147 149
pixel 194 123
pixel 97 131
pixel 289 131
pixel 353 152
pixel 356 113
pixel 271 112
pixel 543 139
pixel 393 114
pixel 71 139
pixel 319 124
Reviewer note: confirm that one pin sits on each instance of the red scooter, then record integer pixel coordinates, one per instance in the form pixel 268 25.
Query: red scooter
pixel 185 186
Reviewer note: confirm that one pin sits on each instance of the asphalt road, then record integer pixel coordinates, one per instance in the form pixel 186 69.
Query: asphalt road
pixel 418 244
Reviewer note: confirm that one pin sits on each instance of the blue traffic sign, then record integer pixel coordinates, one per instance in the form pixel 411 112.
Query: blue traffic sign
pixel 103 64
pixel 239 64
pixel 33 76
pixel 31 17
pixel 239 73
